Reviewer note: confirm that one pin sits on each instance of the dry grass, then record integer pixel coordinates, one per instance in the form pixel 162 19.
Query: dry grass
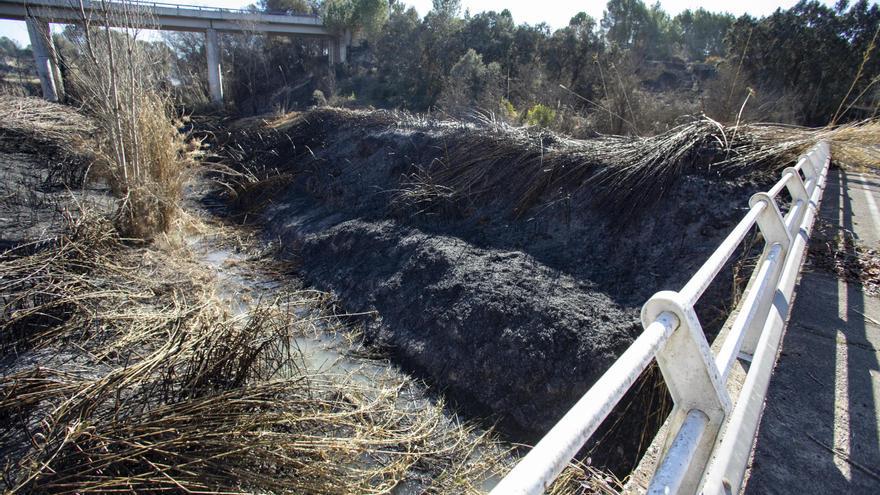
pixel 54 131
pixel 856 145
pixel 42 122
pixel 132 375
pixel 182 395
pixel 485 162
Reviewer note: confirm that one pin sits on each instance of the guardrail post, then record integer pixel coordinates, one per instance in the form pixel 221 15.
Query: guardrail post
pixel 811 171
pixel 796 186
pixel 694 382
pixel 772 226
pixel 799 194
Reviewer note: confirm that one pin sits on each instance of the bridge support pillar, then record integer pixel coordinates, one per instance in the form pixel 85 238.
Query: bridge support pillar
pixel 339 48
pixel 44 57
pixel 215 81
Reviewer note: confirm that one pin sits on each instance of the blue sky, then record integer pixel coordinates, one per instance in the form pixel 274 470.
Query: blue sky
pixel 556 13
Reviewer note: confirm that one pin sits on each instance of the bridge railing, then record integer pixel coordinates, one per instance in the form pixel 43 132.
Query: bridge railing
pixel 708 440
pixel 171 5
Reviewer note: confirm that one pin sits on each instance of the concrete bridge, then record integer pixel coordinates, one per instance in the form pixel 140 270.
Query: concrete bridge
pixel 38 14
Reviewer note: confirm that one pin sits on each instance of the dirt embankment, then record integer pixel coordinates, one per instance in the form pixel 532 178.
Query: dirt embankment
pixel 506 267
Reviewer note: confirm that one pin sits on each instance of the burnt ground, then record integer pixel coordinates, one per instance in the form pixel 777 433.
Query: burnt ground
pixel 37 197
pixel 512 312
pixel 34 199
pixel 43 167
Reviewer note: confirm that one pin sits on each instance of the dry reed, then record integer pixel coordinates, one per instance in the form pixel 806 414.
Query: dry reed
pixel 139 151
pixel 57 132
pixel 491 161
pixel 132 375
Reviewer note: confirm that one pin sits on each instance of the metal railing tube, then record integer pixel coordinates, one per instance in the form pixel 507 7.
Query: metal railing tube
pixel 695 458
pixel 725 474
pixel 537 470
pixel 765 282
pixel 671 472
pixel 793 215
pixel 707 272
pixel 783 182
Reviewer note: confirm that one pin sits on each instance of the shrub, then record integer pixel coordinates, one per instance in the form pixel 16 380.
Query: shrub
pixel 140 153
pixel 508 111
pixel 471 86
pixel 540 115
pixel 318 98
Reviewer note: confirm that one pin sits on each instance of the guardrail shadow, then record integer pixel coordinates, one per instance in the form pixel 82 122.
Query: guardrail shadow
pixel 861 458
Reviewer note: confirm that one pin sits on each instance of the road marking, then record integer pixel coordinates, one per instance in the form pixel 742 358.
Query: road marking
pixel 872 204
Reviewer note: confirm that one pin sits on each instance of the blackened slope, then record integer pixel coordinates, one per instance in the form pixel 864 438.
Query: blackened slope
pixel 503 333
pixel 514 314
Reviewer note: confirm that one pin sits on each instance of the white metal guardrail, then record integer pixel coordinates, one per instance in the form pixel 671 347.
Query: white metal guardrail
pixel 709 440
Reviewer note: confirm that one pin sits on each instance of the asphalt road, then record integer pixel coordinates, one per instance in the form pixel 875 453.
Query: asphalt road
pixel 820 432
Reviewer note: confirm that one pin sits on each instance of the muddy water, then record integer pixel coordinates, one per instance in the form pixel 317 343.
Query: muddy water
pixel 324 351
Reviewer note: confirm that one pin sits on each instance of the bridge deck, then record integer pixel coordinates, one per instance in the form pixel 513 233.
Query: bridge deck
pixel 167 16
pixel 819 431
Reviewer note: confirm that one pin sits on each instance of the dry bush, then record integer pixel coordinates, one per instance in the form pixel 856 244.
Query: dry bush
pixel 855 144
pixel 486 160
pixel 139 151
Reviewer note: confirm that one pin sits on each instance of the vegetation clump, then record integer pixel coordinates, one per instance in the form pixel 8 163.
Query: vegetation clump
pixel 489 161
pixel 146 382
pixel 540 115
pixel 138 150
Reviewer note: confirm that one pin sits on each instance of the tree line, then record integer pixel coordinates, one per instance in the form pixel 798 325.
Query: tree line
pixel 806 57
pixel 635 70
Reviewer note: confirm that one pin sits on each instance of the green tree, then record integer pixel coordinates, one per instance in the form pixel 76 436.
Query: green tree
pixel 570 54
pixel 624 21
pixel 8 47
pixel 472 85
pixel 446 8
pixel 811 50
pixel 355 15
pixel 703 32
pixel 492 35
pixel 441 47
pixel 647 32
pixel 398 58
